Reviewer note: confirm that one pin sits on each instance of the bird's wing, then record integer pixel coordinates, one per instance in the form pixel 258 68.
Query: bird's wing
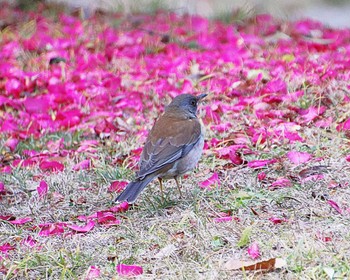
pixel 169 140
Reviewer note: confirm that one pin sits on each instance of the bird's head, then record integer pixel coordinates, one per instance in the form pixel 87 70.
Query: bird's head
pixel 186 104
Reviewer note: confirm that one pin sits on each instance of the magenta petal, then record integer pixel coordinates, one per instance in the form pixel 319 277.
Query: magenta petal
pixel 280 183
pixel 122 207
pixel 260 163
pixel 21 221
pixel 2 188
pixel 117 186
pixel 94 272
pixel 42 189
pixel 223 219
pixel 298 157
pixel 278 220
pixel 85 164
pixel 6 247
pixel 105 217
pixel 129 270
pixel 89 226
pixel 51 229
pixel 12 144
pixel 29 241
pixel 253 251
pixel 210 182
pixel 52 166
pixel 335 206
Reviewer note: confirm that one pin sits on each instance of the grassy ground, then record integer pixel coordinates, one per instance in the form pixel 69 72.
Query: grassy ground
pixel 180 238
pixel 174 238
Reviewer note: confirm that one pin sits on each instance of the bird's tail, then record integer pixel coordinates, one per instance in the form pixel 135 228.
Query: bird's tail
pixel 133 189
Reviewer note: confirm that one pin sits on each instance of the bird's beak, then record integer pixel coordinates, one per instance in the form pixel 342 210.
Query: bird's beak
pixel 201 96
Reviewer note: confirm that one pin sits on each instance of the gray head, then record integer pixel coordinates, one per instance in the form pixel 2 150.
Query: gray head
pixel 187 103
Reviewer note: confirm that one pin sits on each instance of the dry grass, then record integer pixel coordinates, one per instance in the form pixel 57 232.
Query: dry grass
pixel 177 238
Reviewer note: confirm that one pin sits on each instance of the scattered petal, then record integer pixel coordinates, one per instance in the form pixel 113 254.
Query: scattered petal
pixel 42 189
pixel 51 166
pixel 117 186
pixel 223 219
pixel 85 164
pixel 298 157
pixel 276 220
pixel 21 221
pixel 261 163
pixel 280 183
pixel 254 251
pixel 335 206
pixel 82 229
pixel 93 273
pixel 129 270
pixel 210 182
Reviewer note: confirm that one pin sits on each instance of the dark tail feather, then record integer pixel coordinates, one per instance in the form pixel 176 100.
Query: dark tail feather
pixel 133 189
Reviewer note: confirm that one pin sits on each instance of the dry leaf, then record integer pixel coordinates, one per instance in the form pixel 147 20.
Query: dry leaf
pixel 166 251
pixel 271 264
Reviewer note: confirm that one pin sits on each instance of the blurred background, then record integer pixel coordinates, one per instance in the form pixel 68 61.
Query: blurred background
pixel 334 13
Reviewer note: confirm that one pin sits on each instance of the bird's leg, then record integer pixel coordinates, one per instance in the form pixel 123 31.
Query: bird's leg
pixel 178 186
pixel 161 187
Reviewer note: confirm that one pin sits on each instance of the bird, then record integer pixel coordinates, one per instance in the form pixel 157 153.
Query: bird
pixel 173 146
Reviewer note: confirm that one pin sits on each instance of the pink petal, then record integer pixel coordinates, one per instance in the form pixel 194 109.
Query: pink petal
pixel 122 207
pixel 261 176
pixel 223 219
pixel 347 158
pixel 323 237
pixel 89 226
pixel 129 270
pixel 315 177
pixel 42 189
pixel 85 164
pixel 52 166
pixel 253 251
pixel 2 188
pixel 344 126
pixel 335 206
pixel 21 221
pixel 117 186
pixel 7 217
pixel 107 218
pixel 12 143
pixel 298 157
pixel 29 241
pixel 280 183
pixel 278 220
pixel 210 182
pixel 94 272
pixel 261 163
pixel 51 229
pixel 6 247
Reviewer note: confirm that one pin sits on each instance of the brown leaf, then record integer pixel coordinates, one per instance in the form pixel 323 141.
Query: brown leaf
pixel 271 264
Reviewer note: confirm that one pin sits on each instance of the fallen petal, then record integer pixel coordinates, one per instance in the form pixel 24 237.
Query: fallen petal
pixel 129 270
pixel 261 163
pixel 93 273
pixel 298 157
pixel 278 220
pixel 334 205
pixel 21 221
pixel 223 219
pixel 42 189
pixel 117 186
pixel 82 229
pixel 210 182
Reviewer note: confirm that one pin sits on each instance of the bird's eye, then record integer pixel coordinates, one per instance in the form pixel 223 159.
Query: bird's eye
pixel 193 103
